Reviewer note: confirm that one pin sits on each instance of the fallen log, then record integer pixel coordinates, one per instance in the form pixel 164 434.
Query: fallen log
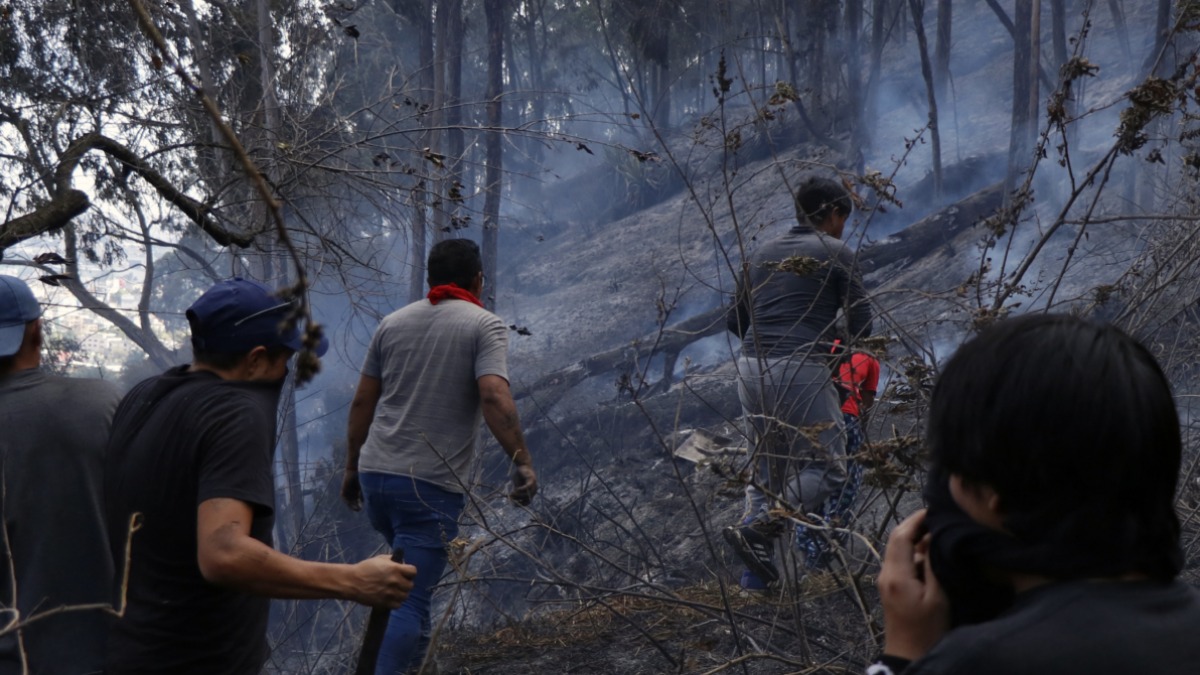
pixel 938 229
pixel 917 240
pixel 669 341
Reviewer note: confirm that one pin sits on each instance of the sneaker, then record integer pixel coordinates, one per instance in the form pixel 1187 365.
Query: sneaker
pixel 751 581
pixel 755 549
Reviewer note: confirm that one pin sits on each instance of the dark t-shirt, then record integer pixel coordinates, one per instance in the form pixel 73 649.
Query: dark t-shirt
pixel 177 440
pixel 1098 628
pixel 797 285
pixel 52 433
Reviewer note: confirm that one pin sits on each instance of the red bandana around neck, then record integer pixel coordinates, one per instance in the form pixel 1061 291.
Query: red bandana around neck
pixel 453 291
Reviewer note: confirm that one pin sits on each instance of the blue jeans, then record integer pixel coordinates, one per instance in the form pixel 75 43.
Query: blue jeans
pixel 421 518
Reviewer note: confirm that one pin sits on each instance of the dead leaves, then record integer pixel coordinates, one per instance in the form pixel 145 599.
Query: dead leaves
pixel 803 266
pixel 54 279
pixel 1150 99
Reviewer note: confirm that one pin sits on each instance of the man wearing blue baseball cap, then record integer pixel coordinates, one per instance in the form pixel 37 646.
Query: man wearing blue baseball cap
pixel 191 452
pixel 52 433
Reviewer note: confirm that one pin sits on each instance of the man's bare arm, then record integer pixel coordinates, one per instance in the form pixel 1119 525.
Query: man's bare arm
pixel 228 556
pixel 500 414
pixel 362 412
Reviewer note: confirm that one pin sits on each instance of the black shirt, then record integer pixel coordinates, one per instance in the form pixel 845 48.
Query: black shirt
pixel 177 440
pixel 1094 627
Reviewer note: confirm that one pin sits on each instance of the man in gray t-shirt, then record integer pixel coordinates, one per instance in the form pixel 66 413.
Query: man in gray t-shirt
pixel 434 370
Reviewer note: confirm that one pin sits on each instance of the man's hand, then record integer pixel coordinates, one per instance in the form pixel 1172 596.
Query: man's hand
pixel 500 413
pixel 352 490
pixel 379 582
pixel 525 484
pixel 916 613
pixel 868 402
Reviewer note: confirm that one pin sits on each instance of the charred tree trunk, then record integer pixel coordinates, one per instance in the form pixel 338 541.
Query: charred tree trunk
pixel 878 39
pixel 1118 17
pixel 917 8
pixel 816 68
pixel 1035 59
pixel 854 80
pixel 1019 151
pixel 941 54
pixel 1017 39
pixel 661 65
pixel 1158 64
pixel 1162 30
pixel 453 194
pixel 537 49
pixel 793 61
pixel 437 134
pixel 418 234
pixel 762 45
pixel 1058 29
pixel 495 13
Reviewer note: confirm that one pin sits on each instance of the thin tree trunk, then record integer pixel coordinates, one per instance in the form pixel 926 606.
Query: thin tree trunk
pixel 820 41
pixel 1118 16
pixel 496 18
pixel 1058 28
pixel 801 110
pixel 454 132
pixel 610 50
pixel 537 56
pixel 661 65
pixel 1035 60
pixel 209 157
pixel 418 235
pixel 1162 29
pixel 941 55
pixel 917 7
pixel 1018 151
pixel 1156 63
pixel 779 12
pixel 441 210
pixel 878 39
pixel 1008 25
pixel 289 455
pixel 854 80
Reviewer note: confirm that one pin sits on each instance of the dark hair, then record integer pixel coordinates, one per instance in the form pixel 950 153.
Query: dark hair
pixel 1073 425
pixel 818 197
pixel 454 261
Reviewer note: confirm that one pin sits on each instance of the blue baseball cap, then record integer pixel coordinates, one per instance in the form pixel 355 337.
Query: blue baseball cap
pixel 237 315
pixel 17 308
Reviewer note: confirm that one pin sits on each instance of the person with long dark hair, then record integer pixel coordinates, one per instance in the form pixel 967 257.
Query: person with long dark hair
pixel 1051 542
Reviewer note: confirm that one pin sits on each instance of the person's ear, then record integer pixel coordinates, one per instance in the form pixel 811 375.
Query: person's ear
pixel 978 500
pixel 993 501
pixel 256 362
pixel 36 335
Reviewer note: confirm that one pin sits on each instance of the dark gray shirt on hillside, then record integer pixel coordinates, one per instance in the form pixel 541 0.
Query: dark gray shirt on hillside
pixel 52 436
pixel 797 285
